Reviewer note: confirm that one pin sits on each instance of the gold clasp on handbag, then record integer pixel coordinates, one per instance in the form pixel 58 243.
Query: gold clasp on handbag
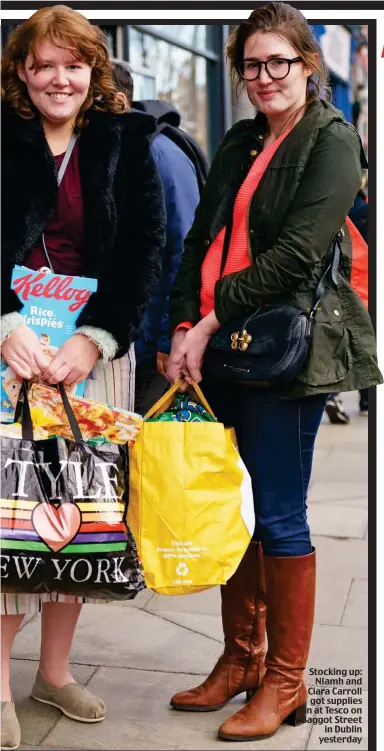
pixel 241 342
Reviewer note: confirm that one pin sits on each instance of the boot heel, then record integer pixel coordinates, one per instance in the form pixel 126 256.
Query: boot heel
pixel 249 694
pixel 298 716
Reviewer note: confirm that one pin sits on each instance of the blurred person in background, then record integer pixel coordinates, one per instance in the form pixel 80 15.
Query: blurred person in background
pixel 181 176
pixel 359 214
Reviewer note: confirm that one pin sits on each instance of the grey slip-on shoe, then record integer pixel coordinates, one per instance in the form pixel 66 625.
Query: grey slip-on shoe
pixel 10 727
pixel 73 700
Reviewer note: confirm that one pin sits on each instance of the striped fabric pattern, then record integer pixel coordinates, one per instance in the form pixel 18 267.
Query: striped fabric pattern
pixel 111 383
pixel 18 530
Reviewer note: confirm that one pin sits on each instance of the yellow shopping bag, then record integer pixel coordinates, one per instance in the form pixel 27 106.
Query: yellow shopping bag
pixel 191 506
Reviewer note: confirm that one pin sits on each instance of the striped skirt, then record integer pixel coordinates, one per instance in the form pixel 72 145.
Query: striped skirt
pixel 110 383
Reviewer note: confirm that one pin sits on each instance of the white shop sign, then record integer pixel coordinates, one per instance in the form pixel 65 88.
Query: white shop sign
pixel 336 46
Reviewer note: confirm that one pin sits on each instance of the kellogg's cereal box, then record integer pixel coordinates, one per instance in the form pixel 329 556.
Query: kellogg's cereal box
pixel 52 304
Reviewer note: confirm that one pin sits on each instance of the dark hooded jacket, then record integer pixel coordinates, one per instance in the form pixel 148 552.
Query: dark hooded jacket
pixel 181 192
pixel 124 217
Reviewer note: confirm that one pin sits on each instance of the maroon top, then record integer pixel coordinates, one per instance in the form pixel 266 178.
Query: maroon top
pixel 64 234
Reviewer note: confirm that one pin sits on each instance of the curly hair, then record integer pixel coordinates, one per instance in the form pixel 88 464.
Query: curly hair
pixel 68 29
pixel 289 23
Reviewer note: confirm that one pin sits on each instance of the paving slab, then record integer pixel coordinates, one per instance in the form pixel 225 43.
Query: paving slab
pixel 129 637
pixel 344 435
pixel 322 453
pixel 28 617
pixel 340 492
pixel 338 647
pixel 343 439
pixel 351 464
pixel 318 732
pixel 140 601
pixel 139 717
pixel 208 625
pixel 338 561
pixel 37 719
pixel 340 558
pixel 207 602
pixel 331 597
pixel 356 610
pixel 334 521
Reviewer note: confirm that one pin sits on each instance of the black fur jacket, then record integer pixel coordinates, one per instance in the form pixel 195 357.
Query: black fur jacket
pixel 124 215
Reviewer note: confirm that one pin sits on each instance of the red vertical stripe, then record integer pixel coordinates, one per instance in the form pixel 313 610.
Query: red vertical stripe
pixel 238 254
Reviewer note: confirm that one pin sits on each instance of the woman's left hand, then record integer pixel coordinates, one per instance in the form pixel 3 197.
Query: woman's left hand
pixel 73 362
pixel 194 345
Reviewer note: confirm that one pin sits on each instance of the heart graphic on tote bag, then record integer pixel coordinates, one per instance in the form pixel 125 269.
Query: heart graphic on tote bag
pixel 56 526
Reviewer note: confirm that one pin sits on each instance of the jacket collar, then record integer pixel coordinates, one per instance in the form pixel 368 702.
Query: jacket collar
pixel 101 123
pixel 318 115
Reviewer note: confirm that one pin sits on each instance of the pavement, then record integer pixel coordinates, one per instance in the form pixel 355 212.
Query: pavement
pixel 136 655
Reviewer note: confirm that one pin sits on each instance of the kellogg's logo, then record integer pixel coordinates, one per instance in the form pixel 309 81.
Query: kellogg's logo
pixel 57 287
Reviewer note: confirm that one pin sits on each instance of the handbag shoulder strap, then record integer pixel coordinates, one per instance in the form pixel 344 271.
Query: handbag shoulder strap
pixel 332 266
pixel 67 156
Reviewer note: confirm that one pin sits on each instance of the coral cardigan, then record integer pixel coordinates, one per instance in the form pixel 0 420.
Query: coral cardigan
pixel 239 256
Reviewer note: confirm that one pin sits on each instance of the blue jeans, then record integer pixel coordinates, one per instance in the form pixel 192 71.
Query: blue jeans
pixel 276 439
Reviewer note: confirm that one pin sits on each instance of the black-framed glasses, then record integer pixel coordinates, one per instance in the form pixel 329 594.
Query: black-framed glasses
pixel 277 68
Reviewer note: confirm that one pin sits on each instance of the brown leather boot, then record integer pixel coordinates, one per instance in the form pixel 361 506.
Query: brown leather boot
pixel 282 695
pixel 241 667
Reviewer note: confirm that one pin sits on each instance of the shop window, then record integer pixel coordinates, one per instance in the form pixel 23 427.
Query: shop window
pixel 110 33
pixel 198 37
pixel 180 76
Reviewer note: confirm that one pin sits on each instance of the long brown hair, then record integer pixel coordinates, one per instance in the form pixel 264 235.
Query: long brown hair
pixel 68 29
pixel 285 21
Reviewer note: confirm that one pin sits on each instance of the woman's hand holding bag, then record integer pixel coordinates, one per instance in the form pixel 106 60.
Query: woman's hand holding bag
pixel 188 350
pixel 22 352
pixel 73 362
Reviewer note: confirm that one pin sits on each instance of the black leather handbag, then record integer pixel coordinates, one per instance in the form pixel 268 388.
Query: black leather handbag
pixel 270 346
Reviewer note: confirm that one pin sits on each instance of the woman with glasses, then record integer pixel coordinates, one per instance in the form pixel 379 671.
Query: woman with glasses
pixel 278 192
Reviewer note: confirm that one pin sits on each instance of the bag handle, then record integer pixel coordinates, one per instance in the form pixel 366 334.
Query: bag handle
pixel 165 400
pixel 202 398
pixel 26 419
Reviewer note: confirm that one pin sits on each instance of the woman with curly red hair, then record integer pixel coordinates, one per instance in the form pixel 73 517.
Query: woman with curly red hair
pixel 105 220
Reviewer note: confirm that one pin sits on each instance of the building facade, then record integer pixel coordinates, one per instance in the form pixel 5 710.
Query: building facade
pixel 184 65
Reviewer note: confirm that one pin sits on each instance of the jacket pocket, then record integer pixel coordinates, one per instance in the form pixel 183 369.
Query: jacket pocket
pixel 330 357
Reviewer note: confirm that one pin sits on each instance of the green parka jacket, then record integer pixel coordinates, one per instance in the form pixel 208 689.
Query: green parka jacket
pixel 299 206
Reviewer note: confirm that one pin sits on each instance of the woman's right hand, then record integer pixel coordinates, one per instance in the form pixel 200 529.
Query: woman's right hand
pixel 176 362
pixel 22 352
